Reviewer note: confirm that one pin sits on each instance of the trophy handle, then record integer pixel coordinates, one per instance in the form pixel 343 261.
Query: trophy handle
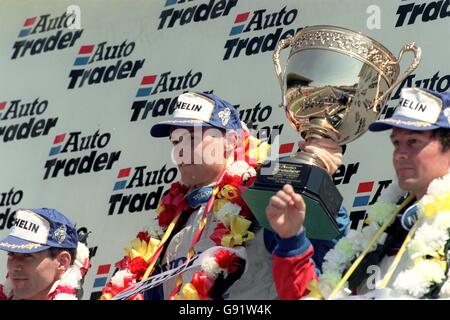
pixel 417 56
pixel 282 44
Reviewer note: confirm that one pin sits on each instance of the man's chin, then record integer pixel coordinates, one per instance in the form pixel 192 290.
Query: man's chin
pixel 187 179
pixel 407 184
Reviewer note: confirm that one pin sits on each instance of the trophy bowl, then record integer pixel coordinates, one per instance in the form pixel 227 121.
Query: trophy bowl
pixel 334 86
pixel 336 81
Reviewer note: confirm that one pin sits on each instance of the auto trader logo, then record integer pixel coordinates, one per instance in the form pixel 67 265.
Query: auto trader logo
pixel 44 24
pixel 176 16
pixel 246 23
pixel 103 63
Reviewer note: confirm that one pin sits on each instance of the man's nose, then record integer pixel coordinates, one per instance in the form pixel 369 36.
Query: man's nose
pixel 15 265
pixel 401 153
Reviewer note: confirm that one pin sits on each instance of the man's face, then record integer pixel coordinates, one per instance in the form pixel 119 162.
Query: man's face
pixel 200 154
pixel 32 275
pixel 418 159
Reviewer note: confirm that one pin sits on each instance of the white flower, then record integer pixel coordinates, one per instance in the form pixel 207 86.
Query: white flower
pixel 442 220
pixel 251 172
pixel 381 212
pixel 82 252
pixel 427 240
pixel 335 260
pixel 210 267
pixel 345 246
pixel 366 235
pixel 242 169
pixel 410 282
pixel 71 277
pixel 118 278
pixel 65 296
pixel 431 271
pixel 439 186
pixel 228 208
pixel 329 281
pixel 392 193
pixel 238 168
pixel 417 281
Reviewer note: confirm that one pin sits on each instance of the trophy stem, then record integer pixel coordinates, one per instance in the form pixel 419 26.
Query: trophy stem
pixel 309 158
pixel 320 128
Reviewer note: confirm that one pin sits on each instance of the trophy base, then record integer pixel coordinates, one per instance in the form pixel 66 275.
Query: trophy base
pixel 321 196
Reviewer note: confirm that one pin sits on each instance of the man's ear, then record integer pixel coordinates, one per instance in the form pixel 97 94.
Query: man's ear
pixel 64 260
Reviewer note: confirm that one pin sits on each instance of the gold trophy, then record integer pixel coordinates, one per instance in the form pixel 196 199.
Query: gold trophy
pixel 334 86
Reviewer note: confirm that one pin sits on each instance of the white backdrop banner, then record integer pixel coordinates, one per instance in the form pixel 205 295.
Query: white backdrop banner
pixel 82 82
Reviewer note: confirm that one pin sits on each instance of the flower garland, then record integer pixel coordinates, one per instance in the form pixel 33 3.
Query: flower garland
pixel 427 251
pixel 233 230
pixel 66 287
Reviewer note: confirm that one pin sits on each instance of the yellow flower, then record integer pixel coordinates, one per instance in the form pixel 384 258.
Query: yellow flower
pixel 229 192
pixel 139 248
pixel 430 210
pixel 188 292
pixel 238 231
pixel 252 147
pixel 256 149
pixel 314 291
pixel 440 203
pixel 106 296
pixel 263 151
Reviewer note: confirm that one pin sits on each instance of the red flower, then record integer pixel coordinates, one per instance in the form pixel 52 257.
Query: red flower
pixel 166 217
pixel 127 281
pixel 2 294
pixel 250 181
pixel 138 266
pixel 173 202
pixel 123 264
pixel 202 284
pixel 113 290
pixel 218 233
pixel 235 181
pixel 62 289
pixel 144 236
pixel 227 260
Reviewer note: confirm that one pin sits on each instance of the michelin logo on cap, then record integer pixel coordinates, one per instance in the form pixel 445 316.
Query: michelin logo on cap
pixel 30 226
pixel 195 109
pixel 418 109
pixel 193 106
pixel 419 105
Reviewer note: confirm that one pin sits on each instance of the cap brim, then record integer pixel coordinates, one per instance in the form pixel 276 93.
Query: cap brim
pixel 162 129
pixel 401 122
pixel 17 245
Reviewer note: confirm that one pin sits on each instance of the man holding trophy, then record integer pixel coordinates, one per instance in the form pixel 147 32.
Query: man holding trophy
pixel 417 229
pixel 364 262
